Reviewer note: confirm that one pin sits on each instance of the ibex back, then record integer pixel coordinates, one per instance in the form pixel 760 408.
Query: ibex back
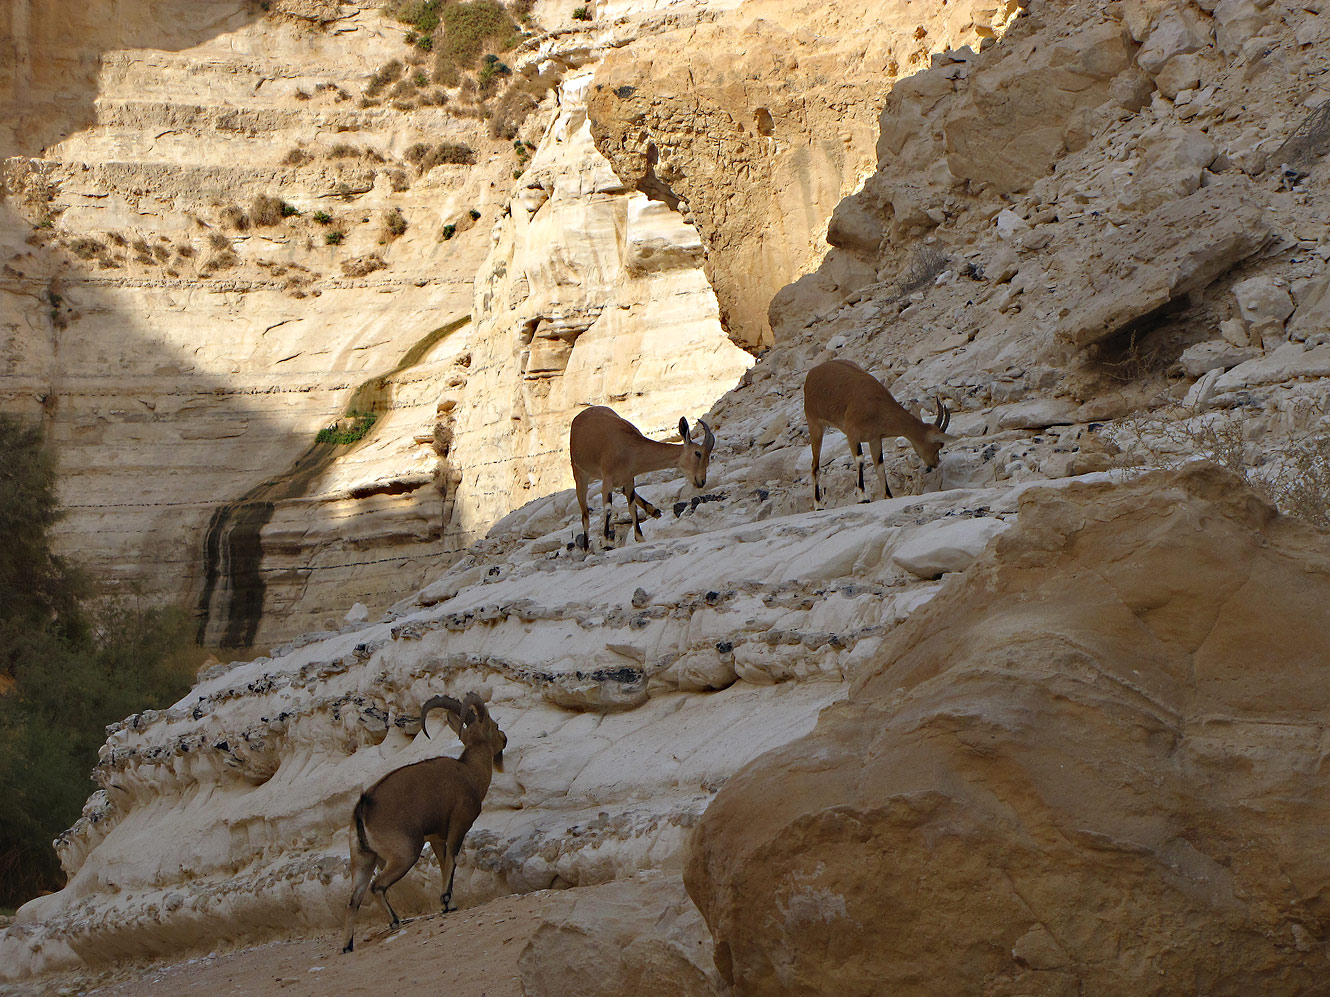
pixel 842 394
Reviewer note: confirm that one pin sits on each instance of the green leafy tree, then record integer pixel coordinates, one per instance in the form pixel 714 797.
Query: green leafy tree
pixel 68 667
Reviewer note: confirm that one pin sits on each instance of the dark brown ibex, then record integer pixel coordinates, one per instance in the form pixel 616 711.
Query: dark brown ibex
pixel 605 446
pixel 842 394
pixel 436 800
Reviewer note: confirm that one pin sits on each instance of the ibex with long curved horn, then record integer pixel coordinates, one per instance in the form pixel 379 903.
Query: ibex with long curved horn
pixel 436 800
pixel 842 394
pixel 605 446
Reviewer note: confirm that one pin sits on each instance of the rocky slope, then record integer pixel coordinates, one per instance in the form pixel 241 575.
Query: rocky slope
pixel 1125 268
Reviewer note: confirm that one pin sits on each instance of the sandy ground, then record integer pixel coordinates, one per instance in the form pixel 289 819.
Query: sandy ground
pixel 468 953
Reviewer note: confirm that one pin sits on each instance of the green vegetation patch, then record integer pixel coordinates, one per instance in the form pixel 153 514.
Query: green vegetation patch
pixel 352 429
pixel 69 665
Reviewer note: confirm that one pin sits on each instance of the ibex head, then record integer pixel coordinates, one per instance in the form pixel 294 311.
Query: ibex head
pixel 696 455
pixel 471 722
pixel 927 444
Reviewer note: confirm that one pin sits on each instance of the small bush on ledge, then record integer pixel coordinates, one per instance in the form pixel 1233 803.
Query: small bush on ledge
pixel 352 429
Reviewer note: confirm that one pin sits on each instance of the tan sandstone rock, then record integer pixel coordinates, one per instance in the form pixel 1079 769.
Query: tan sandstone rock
pixel 1091 764
pixel 760 120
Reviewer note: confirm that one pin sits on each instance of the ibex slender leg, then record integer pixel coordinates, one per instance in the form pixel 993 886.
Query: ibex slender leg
pixel 607 494
pixel 580 483
pixel 451 849
pixel 397 865
pixel 815 438
pixel 447 867
pixel 630 496
pixel 362 871
pixel 647 507
pixel 858 449
pixel 876 447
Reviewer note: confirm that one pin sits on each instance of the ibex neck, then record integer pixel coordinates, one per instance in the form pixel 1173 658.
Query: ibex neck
pixel 655 456
pixel 480 762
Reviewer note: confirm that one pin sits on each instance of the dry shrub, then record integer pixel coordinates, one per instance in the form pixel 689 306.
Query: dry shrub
pixel 468 29
pixel 507 114
pixel 362 266
pixel 454 153
pixel 266 210
pixel 445 73
pixel 1294 475
pixel 1308 143
pixel 233 217
pixel 85 247
pixel 221 261
pixel 394 225
pixel 161 253
pixel 219 241
pixel 343 150
pixel 296 157
pixel 382 77
pixel 402 89
pixel 925 266
pixel 185 251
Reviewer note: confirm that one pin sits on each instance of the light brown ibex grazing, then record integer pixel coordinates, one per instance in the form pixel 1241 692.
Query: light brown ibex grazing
pixel 842 394
pixel 436 800
pixel 605 446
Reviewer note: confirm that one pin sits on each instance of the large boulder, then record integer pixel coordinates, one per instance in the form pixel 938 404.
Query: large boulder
pixel 1093 764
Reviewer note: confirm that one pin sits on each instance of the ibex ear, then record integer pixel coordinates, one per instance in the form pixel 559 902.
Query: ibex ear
pixel 683 430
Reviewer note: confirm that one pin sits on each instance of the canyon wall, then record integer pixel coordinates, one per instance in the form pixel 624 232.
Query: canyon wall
pixel 185 354
pixel 1099 241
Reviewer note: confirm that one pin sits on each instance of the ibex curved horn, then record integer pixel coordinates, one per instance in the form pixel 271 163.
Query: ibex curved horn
pixel 709 440
pixel 474 708
pixel 447 703
pixel 943 419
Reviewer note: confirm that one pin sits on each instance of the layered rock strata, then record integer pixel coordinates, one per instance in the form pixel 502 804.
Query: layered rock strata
pixel 205 265
pixel 631 684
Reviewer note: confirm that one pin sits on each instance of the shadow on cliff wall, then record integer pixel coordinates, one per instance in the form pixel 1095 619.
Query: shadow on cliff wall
pixel 97 409
pixel 53 53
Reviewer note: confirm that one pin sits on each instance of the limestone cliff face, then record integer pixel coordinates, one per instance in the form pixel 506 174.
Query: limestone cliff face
pixel 756 123
pixel 592 294
pixel 185 347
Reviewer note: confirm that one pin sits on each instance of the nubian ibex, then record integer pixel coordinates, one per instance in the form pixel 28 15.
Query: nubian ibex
pixel 605 446
pixel 436 800
pixel 842 394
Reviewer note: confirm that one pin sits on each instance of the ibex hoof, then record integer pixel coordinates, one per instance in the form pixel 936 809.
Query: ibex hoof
pixel 347 947
pixel 655 513
pixel 582 541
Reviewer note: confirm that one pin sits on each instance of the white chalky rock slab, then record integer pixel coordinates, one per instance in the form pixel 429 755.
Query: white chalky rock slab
pixel 946 546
